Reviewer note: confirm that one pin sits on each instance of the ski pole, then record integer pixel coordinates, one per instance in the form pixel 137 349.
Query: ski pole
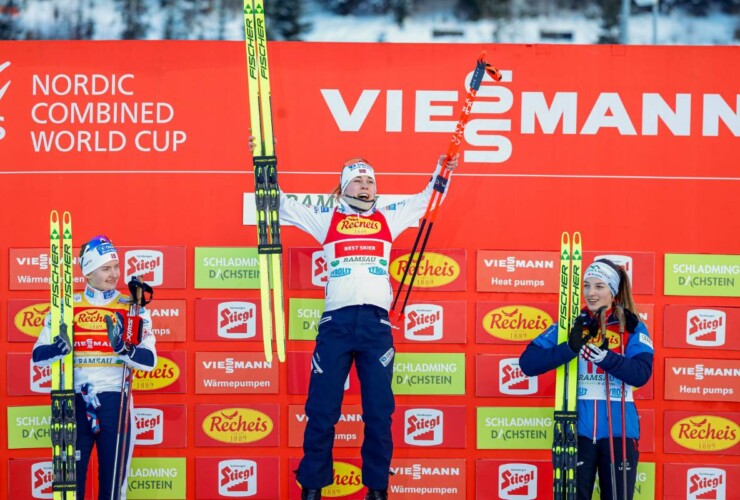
pixel 609 415
pixel 619 312
pixel 440 182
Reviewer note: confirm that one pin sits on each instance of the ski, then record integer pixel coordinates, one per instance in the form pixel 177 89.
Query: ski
pixel 565 439
pixel 266 191
pixel 63 423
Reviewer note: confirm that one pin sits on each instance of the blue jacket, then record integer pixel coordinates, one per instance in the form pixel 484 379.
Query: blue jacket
pixel 634 369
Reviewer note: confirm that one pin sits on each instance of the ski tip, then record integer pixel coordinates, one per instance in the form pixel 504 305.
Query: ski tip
pixel 67 217
pixel 565 238
pixel 577 238
pixel 54 216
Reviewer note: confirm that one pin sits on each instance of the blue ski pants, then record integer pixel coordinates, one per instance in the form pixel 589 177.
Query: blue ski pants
pixel 359 334
pixel 593 458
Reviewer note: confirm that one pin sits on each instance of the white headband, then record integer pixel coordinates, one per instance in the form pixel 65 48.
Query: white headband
pixel 605 273
pixel 356 169
pixel 98 252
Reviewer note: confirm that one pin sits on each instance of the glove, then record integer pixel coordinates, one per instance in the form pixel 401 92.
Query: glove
pixel 576 338
pixel 61 344
pixel 115 334
pixel 630 321
pixel 593 353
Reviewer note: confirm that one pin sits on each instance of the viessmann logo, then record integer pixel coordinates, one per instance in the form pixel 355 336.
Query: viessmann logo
pixel 30 319
pixel 434 270
pixel 347 481
pixel 42 476
pixel 354 225
pixel 516 322
pixel 705 327
pixel 423 322
pixel 236 320
pixel 149 426
pixel 237 425
pixel 148 265
pixel 163 375
pixel 237 478
pixel 517 482
pixel 706 433
pixel 512 380
pixel 423 427
pixel 704 483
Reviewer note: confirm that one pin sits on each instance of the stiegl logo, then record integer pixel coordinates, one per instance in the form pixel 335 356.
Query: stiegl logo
pixel 512 380
pixel 517 482
pixel 706 483
pixel 423 322
pixel 149 426
pixel 40 378
pixel 148 265
pixel 41 480
pixel 237 478
pixel 705 327
pixel 319 269
pixel 423 427
pixel 236 320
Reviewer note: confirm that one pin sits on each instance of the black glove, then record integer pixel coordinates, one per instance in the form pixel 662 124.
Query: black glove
pixel 630 321
pixel 115 334
pixel 577 338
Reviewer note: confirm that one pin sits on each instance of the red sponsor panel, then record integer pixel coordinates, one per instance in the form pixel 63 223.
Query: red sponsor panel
pixel 701 432
pixel 348 432
pixel 647 429
pixel 513 480
pixel 429 426
pixel 163 426
pixel 246 475
pixel 646 312
pixel 440 322
pixel 308 268
pixel 237 425
pixel 701 327
pixel 640 267
pixel 498 375
pixel 693 379
pixel 227 319
pixel 25 378
pixel 235 373
pixel 28 269
pixel 26 318
pixel 646 391
pixel 517 271
pixel 168 319
pixel 299 373
pixel 416 478
pixel 507 322
pixel 701 481
pixel 32 478
pixel 443 270
pixel 169 376
pixel 347 485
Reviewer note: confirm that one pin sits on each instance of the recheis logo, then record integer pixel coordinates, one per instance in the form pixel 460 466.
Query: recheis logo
pixel 164 374
pixel 236 320
pixel 237 478
pixel 423 427
pixel 91 318
pixel 30 319
pixel 705 327
pixel 40 378
pixel 319 269
pixel 706 433
pixel 423 322
pixel 434 270
pixel 148 265
pixel 41 480
pixel 149 426
pixel 358 225
pixel 512 380
pixel 347 481
pixel 516 322
pixel 704 483
pixel 517 482
pixel 237 425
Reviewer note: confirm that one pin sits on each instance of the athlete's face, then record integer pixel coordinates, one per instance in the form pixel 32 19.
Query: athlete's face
pixel 362 187
pixel 105 277
pixel 597 294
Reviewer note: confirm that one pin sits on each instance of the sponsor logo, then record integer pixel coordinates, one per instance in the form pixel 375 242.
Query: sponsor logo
pixel 236 320
pixel 416 471
pixel 148 265
pixel 377 271
pixel 30 319
pixel 621 260
pixel 149 426
pixel 517 482
pixel 700 371
pixel 40 378
pixel 237 478
pixel 164 374
pixel 705 327
pixel 511 264
pixel 230 365
pixel 319 269
pixel 706 433
pixel 358 247
pixel 423 427
pixel 706 483
pixel 340 273
pixel 512 380
pixel 237 425
pixel 358 225
pixel 434 270
pixel 91 319
pixel 516 322
pixel 423 322
pixel 347 481
pixel 41 480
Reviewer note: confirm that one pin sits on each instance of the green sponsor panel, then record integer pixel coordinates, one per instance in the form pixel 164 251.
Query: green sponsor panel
pixel 513 428
pixel 157 477
pixel 304 318
pixel 644 485
pixel 226 268
pixel 702 275
pixel 429 373
pixel 29 426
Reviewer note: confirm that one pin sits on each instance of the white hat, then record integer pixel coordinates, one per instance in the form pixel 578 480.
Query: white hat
pixel 355 168
pixel 95 253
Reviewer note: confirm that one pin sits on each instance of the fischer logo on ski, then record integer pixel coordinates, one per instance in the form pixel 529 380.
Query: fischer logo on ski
pixel 266 190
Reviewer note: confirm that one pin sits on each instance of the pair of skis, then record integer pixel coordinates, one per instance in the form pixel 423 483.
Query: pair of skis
pixel 63 423
pixel 565 440
pixel 266 190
